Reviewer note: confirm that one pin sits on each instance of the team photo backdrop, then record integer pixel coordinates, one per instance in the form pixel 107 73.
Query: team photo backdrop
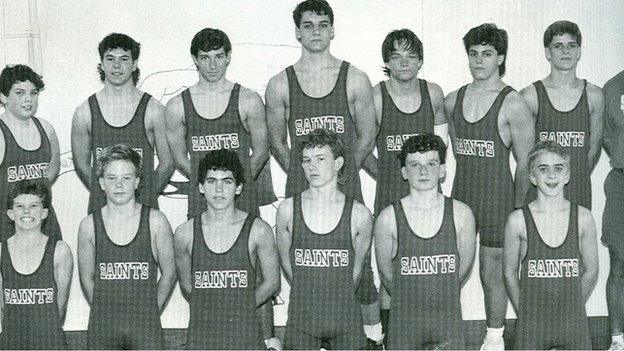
pixel 59 40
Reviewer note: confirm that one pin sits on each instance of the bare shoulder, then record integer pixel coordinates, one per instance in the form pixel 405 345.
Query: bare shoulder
pixel 585 217
pixel 360 212
pixel 449 100
pixel 157 218
pixel 386 216
pixel 61 250
pixel 249 97
pixel 278 84
pixel 356 77
pixel 185 229
pixel 462 210
pixel 47 126
pixel 175 105
pixel 515 221
pixel 154 106
pixel 435 91
pixel 377 90
pixel 86 228
pixel 529 92
pixel 261 229
pixel 595 94
pixel 82 114
pixel 285 208
pixel 515 106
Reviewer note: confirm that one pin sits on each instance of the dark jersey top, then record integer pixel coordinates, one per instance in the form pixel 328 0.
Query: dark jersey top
pixel 223 313
pixel 31 317
pixel 396 127
pixel 21 164
pixel 322 293
pixel 483 165
pixel 552 308
pixel 426 286
pixel 124 311
pixel 133 134
pixel 330 112
pixel 224 132
pixel 571 130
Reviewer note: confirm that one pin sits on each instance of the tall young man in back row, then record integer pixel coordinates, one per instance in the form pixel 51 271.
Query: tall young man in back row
pixel 487 120
pixel 568 109
pixel 322 91
pixel 121 113
pixel 405 106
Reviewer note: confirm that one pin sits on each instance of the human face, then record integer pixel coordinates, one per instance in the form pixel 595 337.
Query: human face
pixel 220 189
pixel 22 101
pixel 118 66
pixel 423 170
pixel 315 31
pixel 550 173
pixel 483 61
pixel 320 166
pixel 564 52
pixel 27 212
pixel 403 64
pixel 212 64
pixel 119 182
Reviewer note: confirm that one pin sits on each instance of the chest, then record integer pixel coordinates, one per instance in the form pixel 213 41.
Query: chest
pixel 122 231
pixel 27 258
pixel 552 229
pixel 211 105
pixel 425 228
pixel 477 104
pixel 322 218
pixel 118 113
pixel 27 138
pixel 318 84
pixel 406 102
pixel 564 98
pixel 220 238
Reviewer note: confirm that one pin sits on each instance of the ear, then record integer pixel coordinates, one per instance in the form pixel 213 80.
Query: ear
pixel 339 162
pixel 11 214
pixel 404 173
pixel 567 177
pixel 547 53
pixel 200 186
pixel 194 60
pixel 239 189
pixel 332 33
pixel 135 65
pixel 420 64
pixel 298 34
pixel 3 99
pixel 44 213
pixel 228 58
pixel 101 181
pixel 442 171
pixel 532 178
pixel 501 59
pixel 137 180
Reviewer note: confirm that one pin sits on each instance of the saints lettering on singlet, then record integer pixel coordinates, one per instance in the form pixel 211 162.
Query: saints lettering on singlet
pixel 321 258
pixel 470 147
pixel 124 271
pixel 98 151
pixel 553 268
pixel 221 279
pixel 24 172
pixel 565 139
pixel 215 142
pixel 395 142
pixel 30 296
pixel 305 125
pixel 428 265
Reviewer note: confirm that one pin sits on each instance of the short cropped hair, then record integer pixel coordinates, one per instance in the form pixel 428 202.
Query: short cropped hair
pixel 221 160
pixel 31 187
pixel 18 73
pixel 324 137
pixel 209 39
pixel 320 7
pixel 404 38
pixel 547 146
pixel 120 41
pixel 560 28
pixel 488 34
pixel 422 143
pixel 119 152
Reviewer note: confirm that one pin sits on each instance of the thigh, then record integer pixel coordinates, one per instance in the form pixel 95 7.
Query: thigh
pixel 296 339
pixel 350 340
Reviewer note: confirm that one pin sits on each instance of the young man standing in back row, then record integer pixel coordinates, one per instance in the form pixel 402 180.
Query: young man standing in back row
pixel 568 109
pixel 488 119
pixel 322 91
pixel 121 113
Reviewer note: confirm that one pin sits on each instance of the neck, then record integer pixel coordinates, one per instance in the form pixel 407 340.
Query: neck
pixel 324 192
pixel 26 234
pixel 318 60
pixel 221 84
pixel 490 83
pixel 220 215
pixel 13 120
pixel 562 78
pixel 402 86
pixel 120 91
pixel 121 210
pixel 424 199
pixel 550 203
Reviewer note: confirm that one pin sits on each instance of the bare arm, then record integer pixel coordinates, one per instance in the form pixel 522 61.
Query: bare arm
pixel 266 251
pixel 522 129
pixel 371 162
pixel 466 238
pixel 596 110
pixel 283 235
pixel 589 251
pixel 449 106
pixel 386 246
pixel 360 93
pixel 155 116
pixel 277 101
pixel 81 143
pixel 176 131
pixel 440 125
pixel 63 269
pixel 361 236
pixel 515 233
pixel 86 257
pixel 183 246
pixel 55 154
pixel 253 115
pixel 162 247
